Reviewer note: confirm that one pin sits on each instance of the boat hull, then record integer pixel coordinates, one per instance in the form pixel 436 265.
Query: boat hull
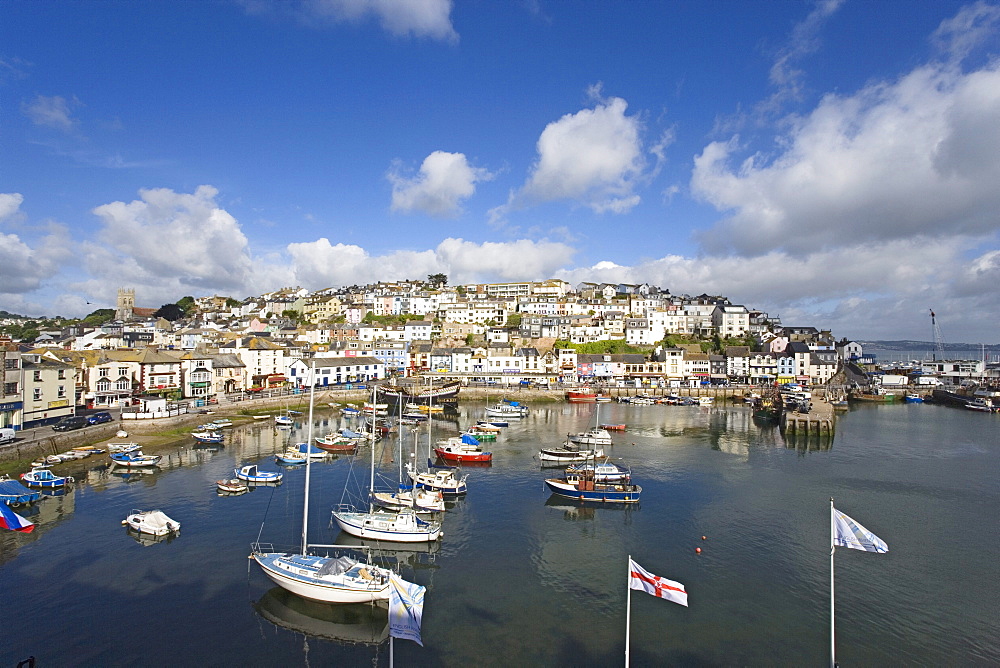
pixel 315 588
pixel 363 525
pixel 449 456
pixel 568 456
pixel 597 492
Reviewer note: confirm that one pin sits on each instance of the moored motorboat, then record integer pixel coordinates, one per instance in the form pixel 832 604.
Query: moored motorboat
pixel 462 449
pixel 208 436
pixel 583 487
pixel 290 457
pixel 593 436
pixel 153 522
pixel 44 478
pixel 613 427
pixel 605 471
pixel 251 473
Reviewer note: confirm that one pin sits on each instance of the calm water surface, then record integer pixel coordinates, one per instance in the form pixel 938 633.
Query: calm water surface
pixel 525 578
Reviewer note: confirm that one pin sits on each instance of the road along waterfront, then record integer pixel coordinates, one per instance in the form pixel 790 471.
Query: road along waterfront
pixel 525 578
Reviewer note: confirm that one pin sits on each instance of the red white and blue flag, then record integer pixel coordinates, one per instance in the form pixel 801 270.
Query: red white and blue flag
pixel 11 520
pixel 641 579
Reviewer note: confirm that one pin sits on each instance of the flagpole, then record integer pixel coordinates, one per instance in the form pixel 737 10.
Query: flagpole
pixel 833 547
pixel 628 609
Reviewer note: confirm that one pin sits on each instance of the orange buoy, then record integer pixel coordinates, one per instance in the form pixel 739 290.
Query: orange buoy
pixel 703 538
pixel 698 550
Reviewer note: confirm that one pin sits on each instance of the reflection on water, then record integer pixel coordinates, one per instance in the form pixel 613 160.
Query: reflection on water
pixel 358 623
pixel 524 577
pixel 147 539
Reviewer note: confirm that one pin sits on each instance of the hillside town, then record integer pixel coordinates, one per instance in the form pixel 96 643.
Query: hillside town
pixel 495 334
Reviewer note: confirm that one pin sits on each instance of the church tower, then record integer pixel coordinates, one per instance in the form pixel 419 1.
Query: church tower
pixel 126 304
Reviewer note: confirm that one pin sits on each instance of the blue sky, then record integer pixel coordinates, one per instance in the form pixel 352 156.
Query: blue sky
pixel 834 163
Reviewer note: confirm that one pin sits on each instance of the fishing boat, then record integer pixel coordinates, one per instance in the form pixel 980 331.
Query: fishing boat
pixel 581 395
pixel 913 398
pixel 613 427
pixel 135 459
pixel 337 444
pixel 251 473
pixel 395 394
pixel 231 486
pixel 153 522
pixel 44 478
pixel 464 448
pixel 605 471
pixel 582 486
pixel 330 579
pixel 403 526
pixel 569 452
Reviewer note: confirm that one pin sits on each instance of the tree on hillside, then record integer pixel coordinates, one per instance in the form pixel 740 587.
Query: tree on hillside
pixel 169 312
pixel 99 317
pixel 437 280
pixel 186 304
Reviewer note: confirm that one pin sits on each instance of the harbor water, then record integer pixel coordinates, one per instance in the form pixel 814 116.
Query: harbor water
pixel 522 577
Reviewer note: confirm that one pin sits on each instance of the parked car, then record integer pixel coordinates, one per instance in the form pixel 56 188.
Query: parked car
pixel 70 423
pixel 99 418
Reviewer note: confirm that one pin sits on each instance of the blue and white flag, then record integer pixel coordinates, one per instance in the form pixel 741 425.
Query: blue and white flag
pixel 406 609
pixel 848 533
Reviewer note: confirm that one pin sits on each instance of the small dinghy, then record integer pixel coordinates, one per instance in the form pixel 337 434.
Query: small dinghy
pixel 153 522
pixel 232 486
pixel 135 459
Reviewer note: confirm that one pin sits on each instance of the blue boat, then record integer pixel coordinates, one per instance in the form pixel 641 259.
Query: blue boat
pixel 44 478
pixel 135 459
pixel 290 457
pixel 15 494
pixel 207 436
pixel 306 450
pixel 581 486
pixel 251 473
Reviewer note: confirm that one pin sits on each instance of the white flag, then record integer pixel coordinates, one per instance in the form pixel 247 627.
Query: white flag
pixel 848 533
pixel 641 579
pixel 406 609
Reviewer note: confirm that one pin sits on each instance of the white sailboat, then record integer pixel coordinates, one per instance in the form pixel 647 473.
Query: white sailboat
pixel 321 578
pixel 446 479
pixel 403 526
pixel 422 500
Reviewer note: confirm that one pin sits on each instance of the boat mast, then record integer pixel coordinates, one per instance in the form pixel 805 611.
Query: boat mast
pixel 309 439
pixel 371 430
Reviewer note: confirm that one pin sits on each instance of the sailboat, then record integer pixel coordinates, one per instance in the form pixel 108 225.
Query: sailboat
pixel 403 526
pixel 409 496
pixel 444 479
pixel 596 435
pixel 321 578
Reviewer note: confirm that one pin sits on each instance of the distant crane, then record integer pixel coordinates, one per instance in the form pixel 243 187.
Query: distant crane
pixel 938 340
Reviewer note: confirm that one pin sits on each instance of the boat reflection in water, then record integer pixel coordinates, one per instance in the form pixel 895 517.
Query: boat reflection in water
pixel 348 623
pixel 575 509
pixel 147 539
pixel 392 555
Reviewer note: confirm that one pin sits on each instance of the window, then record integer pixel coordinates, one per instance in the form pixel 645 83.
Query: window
pixel 10 388
pixel 123 385
pixel 123 371
pixel 62 392
pixel 103 373
pixel 103 385
pixel 62 374
pixel 37 393
pixel 38 376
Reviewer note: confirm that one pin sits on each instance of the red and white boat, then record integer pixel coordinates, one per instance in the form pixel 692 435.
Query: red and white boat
pixel 462 449
pixel 613 427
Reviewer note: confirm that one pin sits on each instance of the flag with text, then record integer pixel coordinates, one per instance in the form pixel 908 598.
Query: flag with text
pixel 849 533
pixel 406 609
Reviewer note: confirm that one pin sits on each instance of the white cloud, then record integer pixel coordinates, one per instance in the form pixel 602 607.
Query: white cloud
pixel 593 156
pixel 420 18
pixel 10 203
pixel 915 156
pixel 52 112
pixel 971 26
pixel 320 263
pixel 170 244
pixel 24 268
pixel 444 181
